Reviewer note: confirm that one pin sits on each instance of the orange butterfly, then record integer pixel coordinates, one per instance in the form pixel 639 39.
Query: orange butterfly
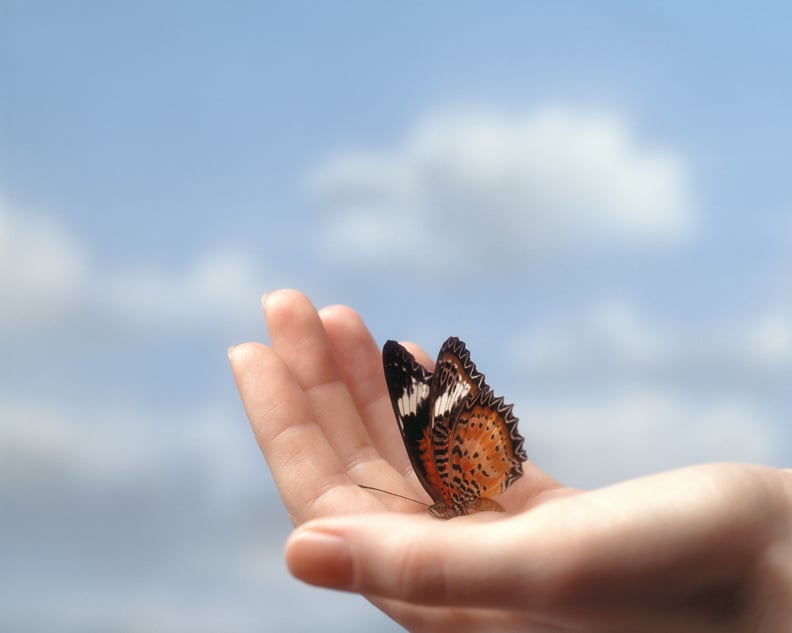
pixel 462 440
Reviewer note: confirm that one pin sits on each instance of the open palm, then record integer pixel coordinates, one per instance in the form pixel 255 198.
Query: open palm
pixel 694 549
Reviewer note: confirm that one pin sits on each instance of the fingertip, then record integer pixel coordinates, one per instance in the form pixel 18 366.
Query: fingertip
pixel 282 296
pixel 382 554
pixel 341 315
pixel 242 352
pixel 320 558
pixel 290 317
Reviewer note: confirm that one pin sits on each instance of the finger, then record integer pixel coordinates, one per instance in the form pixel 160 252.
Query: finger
pixel 467 562
pixel 360 363
pixel 312 480
pixel 680 536
pixel 299 338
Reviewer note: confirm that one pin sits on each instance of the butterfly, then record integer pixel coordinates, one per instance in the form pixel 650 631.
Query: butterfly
pixel 461 439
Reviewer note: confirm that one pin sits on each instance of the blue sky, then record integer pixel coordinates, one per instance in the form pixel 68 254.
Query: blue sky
pixel 594 196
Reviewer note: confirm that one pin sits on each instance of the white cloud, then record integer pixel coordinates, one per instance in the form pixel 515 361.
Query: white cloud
pixel 217 288
pixel 44 270
pixel 767 342
pixel 153 507
pixel 611 394
pixel 614 340
pixel 481 187
pixel 611 332
pixel 97 446
pixel 593 441
pixel 49 281
pixel 169 605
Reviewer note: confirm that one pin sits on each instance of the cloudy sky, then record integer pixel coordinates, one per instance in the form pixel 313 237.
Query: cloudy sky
pixel 595 196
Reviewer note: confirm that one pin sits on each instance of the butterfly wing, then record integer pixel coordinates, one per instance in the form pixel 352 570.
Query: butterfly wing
pixel 461 439
pixel 455 379
pixel 485 451
pixel 409 387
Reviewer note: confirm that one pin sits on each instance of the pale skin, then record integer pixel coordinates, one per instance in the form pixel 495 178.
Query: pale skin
pixel 705 548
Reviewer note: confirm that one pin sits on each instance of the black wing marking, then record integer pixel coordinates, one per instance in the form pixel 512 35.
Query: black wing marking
pixel 409 387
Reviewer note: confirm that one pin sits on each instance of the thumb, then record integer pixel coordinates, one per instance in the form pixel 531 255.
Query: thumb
pixel 470 561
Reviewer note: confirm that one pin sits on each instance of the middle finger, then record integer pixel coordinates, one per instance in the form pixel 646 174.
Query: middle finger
pixel 299 338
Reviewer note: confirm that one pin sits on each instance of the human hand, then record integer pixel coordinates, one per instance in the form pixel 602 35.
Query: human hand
pixel 703 548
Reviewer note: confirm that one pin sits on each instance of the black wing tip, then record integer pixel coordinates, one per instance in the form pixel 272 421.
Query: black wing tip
pixel 457 347
pixel 394 352
pixel 391 347
pixel 400 368
pixel 452 344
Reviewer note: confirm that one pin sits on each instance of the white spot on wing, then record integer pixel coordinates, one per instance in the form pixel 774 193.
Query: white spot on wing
pixel 448 399
pixel 413 395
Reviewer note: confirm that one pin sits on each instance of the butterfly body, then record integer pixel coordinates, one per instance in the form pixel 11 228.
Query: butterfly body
pixel 461 439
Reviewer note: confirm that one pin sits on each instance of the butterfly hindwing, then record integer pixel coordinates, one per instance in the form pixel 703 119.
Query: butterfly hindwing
pixel 485 451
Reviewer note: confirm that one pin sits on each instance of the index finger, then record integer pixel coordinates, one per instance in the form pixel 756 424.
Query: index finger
pixel 310 477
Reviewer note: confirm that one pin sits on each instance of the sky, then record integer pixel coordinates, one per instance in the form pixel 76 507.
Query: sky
pixel 594 196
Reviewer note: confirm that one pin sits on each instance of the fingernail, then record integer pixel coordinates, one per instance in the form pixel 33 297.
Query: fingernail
pixel 230 350
pixel 320 558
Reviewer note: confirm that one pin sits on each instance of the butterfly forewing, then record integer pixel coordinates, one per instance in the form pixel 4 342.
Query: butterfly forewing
pixel 455 379
pixel 409 387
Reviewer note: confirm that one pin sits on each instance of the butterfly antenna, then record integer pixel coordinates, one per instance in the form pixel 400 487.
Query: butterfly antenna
pixel 393 494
